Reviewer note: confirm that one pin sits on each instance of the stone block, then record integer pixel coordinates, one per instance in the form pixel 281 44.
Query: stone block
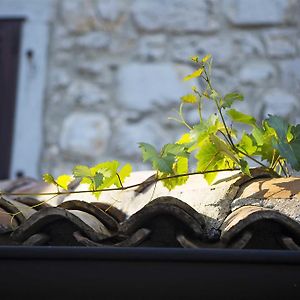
pixel 289 70
pixel 128 135
pixel 96 71
pixel 93 40
pixel 176 15
pixel 152 47
pixel 85 134
pixel 86 93
pixel 59 78
pixel 280 43
pixel 140 85
pixel 184 47
pixel 248 44
pixel 111 10
pixel 256 72
pixel 256 12
pixel 78 16
pixel 279 102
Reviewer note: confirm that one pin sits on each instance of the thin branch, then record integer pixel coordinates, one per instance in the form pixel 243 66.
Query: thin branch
pixel 282 168
pixel 116 189
pixel 120 181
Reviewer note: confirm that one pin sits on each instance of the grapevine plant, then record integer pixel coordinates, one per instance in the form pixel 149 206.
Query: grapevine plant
pixel 213 143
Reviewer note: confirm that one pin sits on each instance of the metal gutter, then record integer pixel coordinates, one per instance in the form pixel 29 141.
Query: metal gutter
pixel 147 273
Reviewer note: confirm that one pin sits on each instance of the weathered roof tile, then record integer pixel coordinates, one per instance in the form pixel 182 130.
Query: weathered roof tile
pixel 238 212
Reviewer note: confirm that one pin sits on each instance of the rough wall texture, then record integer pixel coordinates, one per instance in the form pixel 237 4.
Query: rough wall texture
pixel 115 70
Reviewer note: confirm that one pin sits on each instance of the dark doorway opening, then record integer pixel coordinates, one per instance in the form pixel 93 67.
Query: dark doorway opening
pixel 10 38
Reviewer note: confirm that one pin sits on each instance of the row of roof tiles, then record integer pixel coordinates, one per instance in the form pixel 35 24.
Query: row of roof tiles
pixel 165 221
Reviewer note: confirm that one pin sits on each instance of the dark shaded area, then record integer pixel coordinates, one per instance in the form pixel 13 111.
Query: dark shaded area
pixel 9 60
pixel 147 273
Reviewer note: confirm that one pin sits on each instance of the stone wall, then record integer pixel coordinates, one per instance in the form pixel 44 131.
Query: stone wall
pixel 116 68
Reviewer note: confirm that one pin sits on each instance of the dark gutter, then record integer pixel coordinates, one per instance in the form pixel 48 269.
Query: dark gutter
pixel 147 273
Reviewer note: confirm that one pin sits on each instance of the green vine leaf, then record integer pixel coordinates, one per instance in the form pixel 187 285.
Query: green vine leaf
pixel 82 171
pixel 247 144
pixel 230 98
pixel 208 158
pixel 148 151
pixel 204 129
pixel 180 167
pixel 123 173
pixel 175 149
pixel 245 167
pixel 240 117
pixel 224 148
pixel 189 98
pixel 63 181
pixel 206 58
pixel 48 178
pixel 289 150
pixel 195 74
pixel 97 180
pixel 280 126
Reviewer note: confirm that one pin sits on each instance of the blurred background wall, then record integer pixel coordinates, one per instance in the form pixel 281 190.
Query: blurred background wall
pixel 114 70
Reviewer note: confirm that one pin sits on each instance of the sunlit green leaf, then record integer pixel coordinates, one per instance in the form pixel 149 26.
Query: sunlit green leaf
pixel 148 151
pixel 175 149
pixel 223 147
pixel 180 167
pixel 195 58
pixel 204 129
pixel 206 58
pixel 123 173
pixel 189 98
pixel 240 117
pixel 246 144
pixel 48 178
pixel 82 171
pixel 106 168
pixel 245 167
pixel 230 98
pixel 63 181
pixel 195 74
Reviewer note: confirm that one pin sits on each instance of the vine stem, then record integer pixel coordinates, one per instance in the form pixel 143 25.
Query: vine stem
pixel 231 143
pixel 117 189
pixel 282 168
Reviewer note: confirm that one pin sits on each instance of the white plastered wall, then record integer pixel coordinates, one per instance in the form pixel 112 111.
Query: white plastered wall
pixel 28 127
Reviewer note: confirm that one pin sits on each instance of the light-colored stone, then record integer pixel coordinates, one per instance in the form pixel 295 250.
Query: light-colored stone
pixel 183 47
pixel 279 102
pixel 111 10
pixel 78 16
pixel 140 85
pixel 280 43
pixel 169 15
pixel 248 44
pixel 84 92
pixel 257 72
pixel 130 134
pixel 59 78
pixel 152 47
pixel 93 40
pixel 86 134
pixel 256 12
pixel 289 71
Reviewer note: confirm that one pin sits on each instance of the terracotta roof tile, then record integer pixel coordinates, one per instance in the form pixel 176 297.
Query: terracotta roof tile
pixel 236 213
